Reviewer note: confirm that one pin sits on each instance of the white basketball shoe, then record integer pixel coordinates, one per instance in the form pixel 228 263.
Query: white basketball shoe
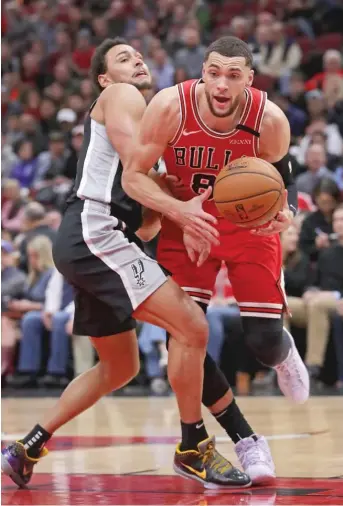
pixel 256 459
pixel 293 377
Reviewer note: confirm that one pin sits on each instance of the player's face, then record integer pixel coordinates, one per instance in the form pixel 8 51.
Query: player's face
pixel 225 79
pixel 126 65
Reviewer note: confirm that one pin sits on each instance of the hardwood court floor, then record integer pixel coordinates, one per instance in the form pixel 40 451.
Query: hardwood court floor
pixel 121 451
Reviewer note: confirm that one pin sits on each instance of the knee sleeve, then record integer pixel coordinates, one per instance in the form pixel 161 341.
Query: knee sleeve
pixel 215 383
pixel 267 339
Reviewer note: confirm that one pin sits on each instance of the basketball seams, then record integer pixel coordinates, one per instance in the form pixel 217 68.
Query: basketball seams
pixel 249 197
pixel 248 172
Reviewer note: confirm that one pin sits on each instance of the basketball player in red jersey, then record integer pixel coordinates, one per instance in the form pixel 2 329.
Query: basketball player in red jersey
pixel 198 127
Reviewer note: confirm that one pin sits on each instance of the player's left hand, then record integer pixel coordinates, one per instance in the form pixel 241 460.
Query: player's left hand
pixel 280 223
pixel 197 250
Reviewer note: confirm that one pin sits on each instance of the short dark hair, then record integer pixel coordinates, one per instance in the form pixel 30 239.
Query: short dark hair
pixel 99 63
pixel 230 47
pixel 329 186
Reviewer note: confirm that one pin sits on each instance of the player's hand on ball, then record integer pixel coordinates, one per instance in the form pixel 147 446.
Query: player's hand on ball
pixel 280 223
pixel 197 249
pixel 199 223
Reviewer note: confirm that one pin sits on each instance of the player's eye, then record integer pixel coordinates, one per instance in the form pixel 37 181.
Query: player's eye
pixel 213 74
pixel 124 60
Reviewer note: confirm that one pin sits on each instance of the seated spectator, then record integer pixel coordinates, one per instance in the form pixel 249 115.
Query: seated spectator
pixel 316 169
pixel 297 273
pixel 32 298
pixel 162 69
pixel 83 53
pixel 12 211
pixel 331 134
pixel 332 65
pixel 191 57
pixel 321 299
pixel 52 162
pixel 281 55
pixel 296 117
pixel 25 170
pixel 33 225
pixel 13 285
pixel 53 316
pixel 8 157
pixel 316 231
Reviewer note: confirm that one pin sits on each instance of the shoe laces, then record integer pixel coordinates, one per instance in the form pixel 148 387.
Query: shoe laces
pixel 290 370
pixel 214 460
pixel 251 453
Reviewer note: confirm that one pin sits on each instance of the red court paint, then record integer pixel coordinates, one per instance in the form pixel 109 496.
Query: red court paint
pixel 106 489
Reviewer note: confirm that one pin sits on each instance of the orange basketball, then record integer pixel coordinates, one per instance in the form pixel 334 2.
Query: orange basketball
pixel 249 192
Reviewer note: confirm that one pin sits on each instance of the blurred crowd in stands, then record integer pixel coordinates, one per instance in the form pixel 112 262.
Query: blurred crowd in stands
pixel 47 47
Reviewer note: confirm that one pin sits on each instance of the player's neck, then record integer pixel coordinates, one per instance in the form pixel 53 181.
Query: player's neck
pixel 225 124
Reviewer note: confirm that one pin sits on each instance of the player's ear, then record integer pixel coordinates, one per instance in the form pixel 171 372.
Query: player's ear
pixel 251 77
pixel 104 80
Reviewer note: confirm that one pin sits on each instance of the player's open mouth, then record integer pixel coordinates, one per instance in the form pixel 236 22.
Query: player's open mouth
pixel 141 73
pixel 221 101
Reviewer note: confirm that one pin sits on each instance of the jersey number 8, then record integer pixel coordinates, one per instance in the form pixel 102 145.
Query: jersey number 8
pixel 200 183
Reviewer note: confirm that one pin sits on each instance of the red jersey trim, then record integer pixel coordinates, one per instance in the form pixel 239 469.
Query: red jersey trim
pixel 258 122
pixel 183 111
pixel 204 127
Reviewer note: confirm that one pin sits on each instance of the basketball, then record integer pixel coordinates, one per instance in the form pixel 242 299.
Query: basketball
pixel 249 192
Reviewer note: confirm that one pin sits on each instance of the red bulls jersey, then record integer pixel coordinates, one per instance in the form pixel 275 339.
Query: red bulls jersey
pixel 197 153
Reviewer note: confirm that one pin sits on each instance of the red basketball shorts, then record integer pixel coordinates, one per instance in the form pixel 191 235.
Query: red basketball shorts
pixel 254 268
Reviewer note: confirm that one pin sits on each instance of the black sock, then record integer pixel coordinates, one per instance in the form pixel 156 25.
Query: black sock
pixel 234 423
pixel 192 435
pixel 35 440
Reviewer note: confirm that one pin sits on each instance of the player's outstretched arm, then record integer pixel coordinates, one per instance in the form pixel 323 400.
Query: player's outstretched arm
pixel 158 126
pixel 274 146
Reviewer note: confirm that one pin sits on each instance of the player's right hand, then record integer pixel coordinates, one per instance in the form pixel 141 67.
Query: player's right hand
pixel 199 223
pixel 197 250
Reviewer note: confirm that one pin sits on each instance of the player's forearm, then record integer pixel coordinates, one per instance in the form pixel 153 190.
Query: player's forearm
pixel 143 189
pixel 151 225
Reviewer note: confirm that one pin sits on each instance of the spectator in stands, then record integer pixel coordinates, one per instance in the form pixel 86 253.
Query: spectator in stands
pixel 162 69
pixel 332 64
pixel 192 56
pixel 52 162
pixel 53 316
pixel 316 169
pixel 281 55
pixel 297 118
pixel 321 299
pixel 47 113
pixel 67 119
pixel 333 139
pixel 40 270
pixel 83 53
pixel 33 225
pixel 297 272
pixel 12 211
pixel 8 157
pixel 25 170
pixel 13 285
pixel 296 90
pixel 100 30
pixel 316 232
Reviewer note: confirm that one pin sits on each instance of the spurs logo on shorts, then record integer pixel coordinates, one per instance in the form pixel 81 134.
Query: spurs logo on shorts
pixel 138 270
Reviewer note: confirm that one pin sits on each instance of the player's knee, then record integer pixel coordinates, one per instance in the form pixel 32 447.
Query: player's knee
pixel 191 327
pixel 266 339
